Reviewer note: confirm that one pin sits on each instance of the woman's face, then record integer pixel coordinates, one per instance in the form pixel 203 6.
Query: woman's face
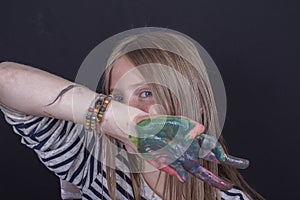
pixel 128 86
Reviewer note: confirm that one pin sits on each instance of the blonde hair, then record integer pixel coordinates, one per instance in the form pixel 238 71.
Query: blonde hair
pixel 181 85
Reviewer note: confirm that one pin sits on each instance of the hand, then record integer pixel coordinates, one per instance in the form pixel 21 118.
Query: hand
pixel 174 144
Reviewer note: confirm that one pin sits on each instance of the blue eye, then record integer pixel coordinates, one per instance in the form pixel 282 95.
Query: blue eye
pixel 146 94
pixel 118 98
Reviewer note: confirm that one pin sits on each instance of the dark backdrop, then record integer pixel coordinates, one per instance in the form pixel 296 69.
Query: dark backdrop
pixel 255 45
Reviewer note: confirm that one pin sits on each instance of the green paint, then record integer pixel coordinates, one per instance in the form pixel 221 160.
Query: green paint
pixel 219 152
pixel 162 129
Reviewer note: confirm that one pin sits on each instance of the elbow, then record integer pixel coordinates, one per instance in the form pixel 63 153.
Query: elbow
pixel 6 72
pixel 6 66
pixel 8 80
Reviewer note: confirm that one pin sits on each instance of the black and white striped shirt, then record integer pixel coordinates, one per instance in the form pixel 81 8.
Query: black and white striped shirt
pixel 64 148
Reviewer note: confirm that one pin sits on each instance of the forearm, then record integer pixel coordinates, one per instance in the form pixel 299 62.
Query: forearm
pixel 29 90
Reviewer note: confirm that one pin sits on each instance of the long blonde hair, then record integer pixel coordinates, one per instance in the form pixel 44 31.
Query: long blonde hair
pixel 194 99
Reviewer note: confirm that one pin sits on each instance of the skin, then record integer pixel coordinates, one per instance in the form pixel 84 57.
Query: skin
pixel 129 87
pixel 172 144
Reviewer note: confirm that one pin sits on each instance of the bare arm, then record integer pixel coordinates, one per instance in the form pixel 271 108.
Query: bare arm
pixel 29 90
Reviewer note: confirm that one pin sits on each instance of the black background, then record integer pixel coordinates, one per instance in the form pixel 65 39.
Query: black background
pixel 255 45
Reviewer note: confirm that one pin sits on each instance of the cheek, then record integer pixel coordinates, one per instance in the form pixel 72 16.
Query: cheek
pixel 142 105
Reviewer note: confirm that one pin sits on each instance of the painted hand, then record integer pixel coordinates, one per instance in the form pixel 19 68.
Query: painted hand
pixel 175 145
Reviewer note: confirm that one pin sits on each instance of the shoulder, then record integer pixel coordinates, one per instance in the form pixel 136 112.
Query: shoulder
pixel 233 194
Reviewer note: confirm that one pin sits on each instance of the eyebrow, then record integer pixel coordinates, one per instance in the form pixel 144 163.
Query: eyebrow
pixel 138 84
pixel 131 86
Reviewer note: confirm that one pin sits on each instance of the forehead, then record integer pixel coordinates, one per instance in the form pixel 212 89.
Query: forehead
pixel 124 72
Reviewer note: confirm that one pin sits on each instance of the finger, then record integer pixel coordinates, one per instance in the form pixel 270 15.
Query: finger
pixel 210 156
pixel 175 169
pixel 239 163
pixel 217 153
pixel 208 177
pixel 211 149
pixel 178 172
pixel 182 173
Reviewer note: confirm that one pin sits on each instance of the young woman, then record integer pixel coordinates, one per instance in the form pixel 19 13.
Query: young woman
pixel 161 93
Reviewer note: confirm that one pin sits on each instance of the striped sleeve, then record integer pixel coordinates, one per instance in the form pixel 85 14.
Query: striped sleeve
pixel 62 146
pixel 233 194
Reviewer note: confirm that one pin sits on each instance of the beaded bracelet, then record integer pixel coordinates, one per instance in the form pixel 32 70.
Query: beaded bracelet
pixel 91 117
pixel 103 107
